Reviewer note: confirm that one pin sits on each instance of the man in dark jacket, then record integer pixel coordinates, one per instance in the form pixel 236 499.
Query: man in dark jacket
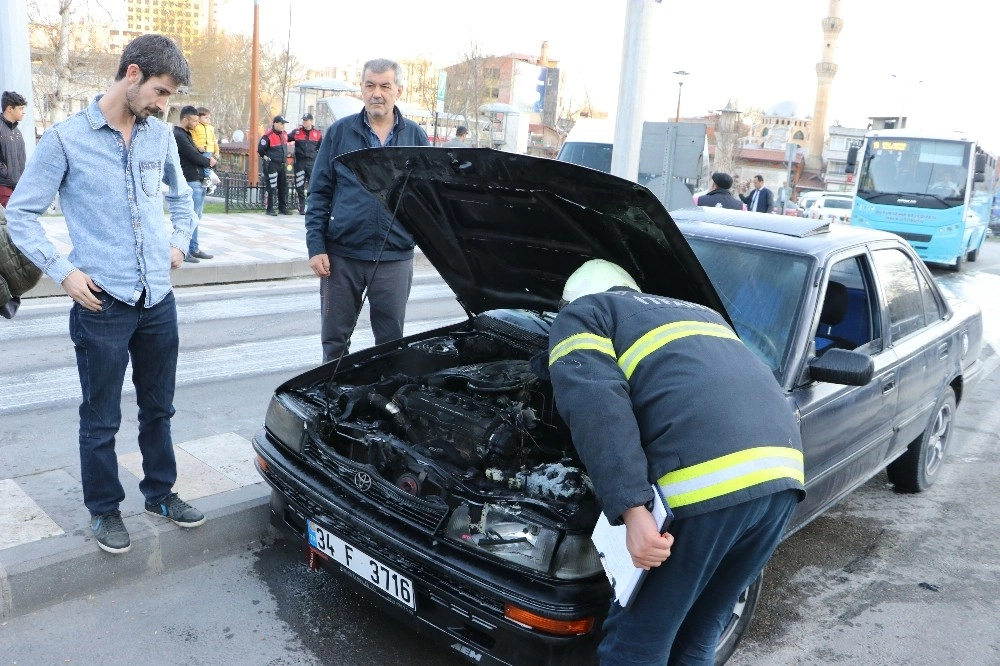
pixel 12 152
pixel 353 241
pixel 658 391
pixel 193 161
pixel 273 151
pixel 720 196
pixel 759 199
pixel 306 139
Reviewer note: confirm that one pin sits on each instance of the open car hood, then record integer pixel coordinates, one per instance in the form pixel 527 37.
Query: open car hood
pixel 507 230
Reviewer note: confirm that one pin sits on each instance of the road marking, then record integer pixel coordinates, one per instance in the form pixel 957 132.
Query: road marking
pixel 300 353
pixel 21 519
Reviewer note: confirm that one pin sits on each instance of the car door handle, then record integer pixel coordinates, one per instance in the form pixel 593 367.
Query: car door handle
pixel 888 383
pixel 943 350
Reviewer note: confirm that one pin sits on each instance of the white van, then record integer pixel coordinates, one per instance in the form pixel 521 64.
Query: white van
pixel 589 144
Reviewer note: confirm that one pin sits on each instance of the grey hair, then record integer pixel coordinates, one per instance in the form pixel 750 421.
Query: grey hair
pixel 380 65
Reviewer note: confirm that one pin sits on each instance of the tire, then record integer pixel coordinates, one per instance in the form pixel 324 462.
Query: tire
pixel 739 622
pixel 973 255
pixel 918 468
pixel 959 264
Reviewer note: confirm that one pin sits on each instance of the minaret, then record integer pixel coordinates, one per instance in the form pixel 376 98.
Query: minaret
pixel 826 69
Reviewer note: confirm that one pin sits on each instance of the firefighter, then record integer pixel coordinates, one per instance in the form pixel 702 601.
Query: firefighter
pixel 273 150
pixel 661 391
pixel 306 139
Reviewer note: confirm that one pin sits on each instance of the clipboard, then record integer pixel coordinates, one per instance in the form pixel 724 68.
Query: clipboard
pixel 609 540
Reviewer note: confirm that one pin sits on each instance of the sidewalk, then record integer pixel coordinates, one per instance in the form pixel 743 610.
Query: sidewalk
pixel 47 554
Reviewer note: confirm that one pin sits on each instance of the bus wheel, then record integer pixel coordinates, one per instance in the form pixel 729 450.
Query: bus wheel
pixel 973 255
pixel 959 263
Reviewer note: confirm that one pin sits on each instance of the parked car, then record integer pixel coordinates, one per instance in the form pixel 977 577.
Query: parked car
pixel 434 474
pixel 832 208
pixel 806 200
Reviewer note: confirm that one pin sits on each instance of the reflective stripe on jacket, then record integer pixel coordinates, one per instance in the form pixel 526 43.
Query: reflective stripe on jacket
pixel 657 390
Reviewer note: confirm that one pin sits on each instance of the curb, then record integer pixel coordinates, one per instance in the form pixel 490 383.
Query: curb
pixel 50 571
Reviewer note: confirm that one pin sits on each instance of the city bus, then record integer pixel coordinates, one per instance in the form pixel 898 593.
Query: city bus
pixel 933 189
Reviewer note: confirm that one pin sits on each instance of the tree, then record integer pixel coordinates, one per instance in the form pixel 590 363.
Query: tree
pixel 60 73
pixel 220 72
pixel 471 83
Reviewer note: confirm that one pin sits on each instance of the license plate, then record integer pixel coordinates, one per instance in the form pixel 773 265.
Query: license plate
pixel 362 565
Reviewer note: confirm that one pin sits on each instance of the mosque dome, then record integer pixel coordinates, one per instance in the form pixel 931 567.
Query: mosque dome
pixel 785 109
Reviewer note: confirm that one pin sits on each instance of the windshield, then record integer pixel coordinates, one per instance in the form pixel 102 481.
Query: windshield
pixel 932 167
pixel 763 292
pixel 593 155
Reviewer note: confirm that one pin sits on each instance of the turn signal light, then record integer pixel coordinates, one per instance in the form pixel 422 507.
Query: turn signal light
pixel 559 627
pixel 261 463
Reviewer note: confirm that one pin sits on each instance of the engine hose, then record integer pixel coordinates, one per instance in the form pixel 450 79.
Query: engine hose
pixel 379 401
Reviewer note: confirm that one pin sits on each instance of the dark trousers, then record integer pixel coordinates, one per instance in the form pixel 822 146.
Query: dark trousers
pixel 684 604
pixel 277 185
pixel 104 342
pixel 303 172
pixel 388 286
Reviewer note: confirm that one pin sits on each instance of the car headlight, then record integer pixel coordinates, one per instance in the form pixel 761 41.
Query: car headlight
pixel 285 424
pixel 506 533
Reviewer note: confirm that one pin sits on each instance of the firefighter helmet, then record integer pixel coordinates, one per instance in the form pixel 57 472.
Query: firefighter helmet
pixel 595 276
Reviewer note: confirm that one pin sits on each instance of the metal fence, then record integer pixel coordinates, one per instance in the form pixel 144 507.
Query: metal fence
pixel 241 195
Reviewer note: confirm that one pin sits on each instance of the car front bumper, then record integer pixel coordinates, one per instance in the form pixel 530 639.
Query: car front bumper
pixel 460 608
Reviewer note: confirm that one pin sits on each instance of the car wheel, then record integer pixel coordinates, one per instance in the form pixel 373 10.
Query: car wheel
pixel 919 467
pixel 739 622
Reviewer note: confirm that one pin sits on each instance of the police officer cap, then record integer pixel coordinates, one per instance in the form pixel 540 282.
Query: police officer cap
pixel 307 116
pixel 279 119
pixel 723 180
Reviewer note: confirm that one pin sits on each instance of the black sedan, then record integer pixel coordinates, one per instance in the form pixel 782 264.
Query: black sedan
pixel 434 472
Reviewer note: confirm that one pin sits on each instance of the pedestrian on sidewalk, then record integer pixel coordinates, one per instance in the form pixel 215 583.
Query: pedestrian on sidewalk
pixel 273 151
pixel 760 199
pixel 720 196
pixel 193 163
pixel 459 141
pixel 107 163
pixel 208 143
pixel 12 152
pixel 353 241
pixel 306 139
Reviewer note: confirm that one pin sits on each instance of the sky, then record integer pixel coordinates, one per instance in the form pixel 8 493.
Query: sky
pixel 934 64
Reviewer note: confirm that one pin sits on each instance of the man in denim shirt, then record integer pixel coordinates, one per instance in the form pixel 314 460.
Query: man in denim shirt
pixel 107 163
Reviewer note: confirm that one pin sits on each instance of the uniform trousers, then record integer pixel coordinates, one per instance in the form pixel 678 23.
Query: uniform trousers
pixel 684 604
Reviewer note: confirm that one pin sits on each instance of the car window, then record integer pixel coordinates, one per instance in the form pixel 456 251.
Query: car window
pixel 835 203
pixel 763 292
pixel 847 317
pixel 932 306
pixel 903 293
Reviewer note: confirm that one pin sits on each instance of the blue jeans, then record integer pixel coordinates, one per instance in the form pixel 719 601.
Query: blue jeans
pixel 684 604
pixel 198 195
pixel 104 342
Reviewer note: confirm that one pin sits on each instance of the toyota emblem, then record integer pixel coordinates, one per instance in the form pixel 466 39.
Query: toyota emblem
pixel 363 481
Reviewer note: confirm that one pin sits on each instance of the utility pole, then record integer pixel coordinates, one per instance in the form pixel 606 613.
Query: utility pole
pixel 631 91
pixel 252 130
pixel 15 62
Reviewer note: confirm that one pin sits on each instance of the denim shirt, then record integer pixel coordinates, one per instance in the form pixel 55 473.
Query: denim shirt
pixel 112 202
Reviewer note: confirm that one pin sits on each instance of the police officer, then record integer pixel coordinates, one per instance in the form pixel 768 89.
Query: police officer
pixel 661 391
pixel 306 139
pixel 273 149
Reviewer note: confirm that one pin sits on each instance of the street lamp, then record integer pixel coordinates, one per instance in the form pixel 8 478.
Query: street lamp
pixel 680 85
pixel 902 88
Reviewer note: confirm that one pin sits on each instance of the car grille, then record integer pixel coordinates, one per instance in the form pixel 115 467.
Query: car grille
pixel 490 604
pixel 382 496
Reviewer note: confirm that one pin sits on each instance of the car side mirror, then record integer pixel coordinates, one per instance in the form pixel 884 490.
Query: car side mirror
pixel 840 366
